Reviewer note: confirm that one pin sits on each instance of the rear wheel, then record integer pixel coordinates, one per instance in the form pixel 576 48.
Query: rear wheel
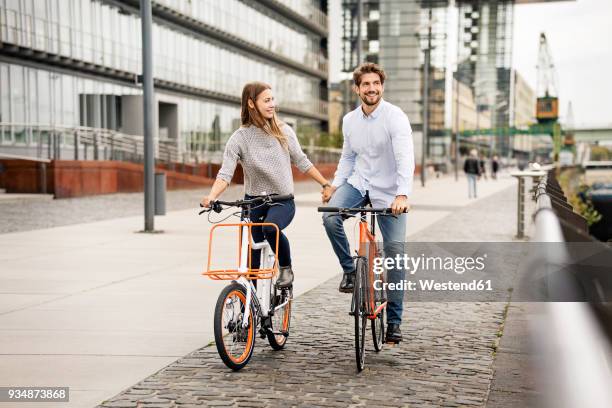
pixel 360 312
pixel 378 330
pixel 281 318
pixel 234 341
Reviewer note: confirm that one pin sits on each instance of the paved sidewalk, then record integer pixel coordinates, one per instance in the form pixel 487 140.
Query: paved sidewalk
pixel 98 306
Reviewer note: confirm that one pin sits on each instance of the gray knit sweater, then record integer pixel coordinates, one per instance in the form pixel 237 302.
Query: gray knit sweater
pixel 266 164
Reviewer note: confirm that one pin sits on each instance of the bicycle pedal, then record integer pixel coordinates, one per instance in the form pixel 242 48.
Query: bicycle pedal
pixel 351 313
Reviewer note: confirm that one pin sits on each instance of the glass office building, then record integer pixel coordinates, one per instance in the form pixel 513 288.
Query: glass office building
pixel 70 68
pixel 394 34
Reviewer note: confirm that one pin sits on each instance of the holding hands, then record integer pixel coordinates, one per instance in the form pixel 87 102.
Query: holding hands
pixel 326 192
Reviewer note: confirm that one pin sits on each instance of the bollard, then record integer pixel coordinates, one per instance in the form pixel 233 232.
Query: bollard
pixel 520 213
pixel 160 193
pixel 520 226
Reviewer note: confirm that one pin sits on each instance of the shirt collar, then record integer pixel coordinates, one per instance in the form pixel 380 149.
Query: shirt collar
pixel 376 112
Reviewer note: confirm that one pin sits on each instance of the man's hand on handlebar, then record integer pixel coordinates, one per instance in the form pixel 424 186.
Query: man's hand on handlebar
pixel 400 204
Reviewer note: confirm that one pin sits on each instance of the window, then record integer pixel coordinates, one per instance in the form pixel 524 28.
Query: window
pixel 394 23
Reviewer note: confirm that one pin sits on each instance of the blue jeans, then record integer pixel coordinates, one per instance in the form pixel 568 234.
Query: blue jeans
pixel 393 230
pixel 471 178
pixel 281 215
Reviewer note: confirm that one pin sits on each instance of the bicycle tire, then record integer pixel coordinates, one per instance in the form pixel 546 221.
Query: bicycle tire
pixel 234 295
pixel 361 317
pixel 378 324
pixel 282 317
pixel 378 331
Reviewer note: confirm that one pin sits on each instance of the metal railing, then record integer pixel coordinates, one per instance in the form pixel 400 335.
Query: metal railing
pixel 572 337
pixel 318 154
pixel 83 143
pixel 87 143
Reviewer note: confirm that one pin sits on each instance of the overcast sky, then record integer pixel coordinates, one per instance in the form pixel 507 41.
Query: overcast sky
pixel 580 39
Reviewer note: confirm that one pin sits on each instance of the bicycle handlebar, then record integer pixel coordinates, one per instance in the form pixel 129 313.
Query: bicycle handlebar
pixel 341 210
pixel 270 198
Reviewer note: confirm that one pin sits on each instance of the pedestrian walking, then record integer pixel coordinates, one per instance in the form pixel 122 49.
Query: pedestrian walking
pixel 471 167
pixel 483 166
pixel 494 167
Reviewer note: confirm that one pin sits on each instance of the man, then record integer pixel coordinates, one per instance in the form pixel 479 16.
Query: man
pixel 472 167
pixel 377 162
pixel 494 167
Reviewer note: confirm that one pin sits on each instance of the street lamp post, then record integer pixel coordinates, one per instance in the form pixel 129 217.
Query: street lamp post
pixel 426 65
pixel 359 43
pixel 425 111
pixel 148 110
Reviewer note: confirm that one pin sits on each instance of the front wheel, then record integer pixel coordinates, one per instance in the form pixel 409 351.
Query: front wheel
pixel 235 340
pixel 278 333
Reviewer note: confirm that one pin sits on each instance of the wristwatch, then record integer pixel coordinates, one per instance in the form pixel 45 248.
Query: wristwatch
pixel 326 185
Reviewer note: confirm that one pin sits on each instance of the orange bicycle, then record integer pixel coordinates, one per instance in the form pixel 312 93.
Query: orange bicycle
pixel 242 307
pixel 367 302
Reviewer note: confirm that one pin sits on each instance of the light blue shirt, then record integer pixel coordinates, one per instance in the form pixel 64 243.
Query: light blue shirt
pixel 377 153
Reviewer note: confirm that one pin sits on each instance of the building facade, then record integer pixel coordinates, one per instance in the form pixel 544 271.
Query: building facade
pixel 70 68
pixel 394 34
pixel 523 102
pixel 465 111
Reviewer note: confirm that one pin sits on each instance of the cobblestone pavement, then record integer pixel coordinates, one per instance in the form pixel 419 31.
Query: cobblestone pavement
pixel 445 360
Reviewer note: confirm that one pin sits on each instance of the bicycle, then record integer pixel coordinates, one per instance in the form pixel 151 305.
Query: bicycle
pixel 367 303
pixel 238 312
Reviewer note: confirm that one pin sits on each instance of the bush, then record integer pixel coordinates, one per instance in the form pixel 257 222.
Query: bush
pixel 600 153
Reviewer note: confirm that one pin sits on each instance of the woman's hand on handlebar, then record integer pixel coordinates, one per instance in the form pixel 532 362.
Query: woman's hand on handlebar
pixel 206 201
pixel 218 187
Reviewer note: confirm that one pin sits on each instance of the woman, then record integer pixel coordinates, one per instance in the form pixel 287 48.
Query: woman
pixel 266 148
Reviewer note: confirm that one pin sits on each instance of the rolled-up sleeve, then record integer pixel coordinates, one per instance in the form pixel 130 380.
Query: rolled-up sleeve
pixel 403 150
pixel 347 160
pixel 231 155
pixel 298 157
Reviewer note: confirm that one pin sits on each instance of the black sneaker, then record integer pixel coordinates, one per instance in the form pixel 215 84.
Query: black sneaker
pixel 394 334
pixel 285 277
pixel 348 282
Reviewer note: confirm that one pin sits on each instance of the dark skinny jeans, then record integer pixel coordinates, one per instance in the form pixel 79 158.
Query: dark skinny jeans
pixel 281 215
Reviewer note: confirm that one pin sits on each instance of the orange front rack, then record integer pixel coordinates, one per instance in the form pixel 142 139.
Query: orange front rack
pixel 250 273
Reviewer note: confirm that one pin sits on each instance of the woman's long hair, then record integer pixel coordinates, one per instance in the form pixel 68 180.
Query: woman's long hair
pixel 251 116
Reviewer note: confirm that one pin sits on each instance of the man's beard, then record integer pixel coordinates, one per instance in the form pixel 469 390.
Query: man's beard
pixel 364 99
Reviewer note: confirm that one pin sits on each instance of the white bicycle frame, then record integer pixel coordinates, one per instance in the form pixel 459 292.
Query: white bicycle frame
pixel 262 299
